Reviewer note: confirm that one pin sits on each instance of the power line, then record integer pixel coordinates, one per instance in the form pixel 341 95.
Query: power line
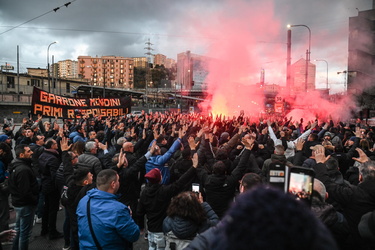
pixel 136 33
pixel 55 9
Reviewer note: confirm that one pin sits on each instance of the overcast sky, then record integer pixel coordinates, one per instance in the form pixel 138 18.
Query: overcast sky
pixel 121 28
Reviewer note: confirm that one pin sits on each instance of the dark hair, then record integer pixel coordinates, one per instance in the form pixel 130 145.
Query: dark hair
pixel 186 205
pixel 100 136
pixel 20 149
pixel 78 127
pixel 332 164
pixel 364 144
pixel 80 174
pixel 5 147
pixel 219 168
pixel 186 153
pixel 49 143
pixel 221 154
pixel 314 136
pixel 250 180
pixel 79 147
pixel 105 177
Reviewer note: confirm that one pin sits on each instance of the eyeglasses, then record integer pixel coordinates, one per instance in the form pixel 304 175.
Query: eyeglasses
pixel 28 151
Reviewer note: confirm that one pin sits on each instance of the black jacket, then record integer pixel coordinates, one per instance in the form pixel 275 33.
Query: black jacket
pixel 355 200
pixel 129 183
pixel 22 183
pixel 49 162
pixel 155 200
pixel 220 189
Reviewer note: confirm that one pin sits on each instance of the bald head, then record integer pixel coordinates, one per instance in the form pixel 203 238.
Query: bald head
pixel 128 147
pixel 320 188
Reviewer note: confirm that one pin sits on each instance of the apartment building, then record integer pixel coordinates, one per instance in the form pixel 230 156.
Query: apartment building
pixel 108 71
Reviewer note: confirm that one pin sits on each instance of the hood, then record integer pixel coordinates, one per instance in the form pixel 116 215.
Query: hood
pixel 280 158
pixel 16 162
pixel 98 194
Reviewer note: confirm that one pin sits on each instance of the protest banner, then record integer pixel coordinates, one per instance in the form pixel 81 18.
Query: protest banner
pixel 52 105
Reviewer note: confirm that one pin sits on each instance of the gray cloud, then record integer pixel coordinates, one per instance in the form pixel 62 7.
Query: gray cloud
pixel 121 27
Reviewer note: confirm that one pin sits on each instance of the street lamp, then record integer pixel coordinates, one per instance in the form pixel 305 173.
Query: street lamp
pixel 48 75
pixel 321 60
pixel 308 52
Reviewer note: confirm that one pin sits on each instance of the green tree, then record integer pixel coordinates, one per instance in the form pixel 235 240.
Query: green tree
pixel 159 73
pixel 139 77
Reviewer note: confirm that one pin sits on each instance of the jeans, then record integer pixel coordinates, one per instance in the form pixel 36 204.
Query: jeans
pixel 156 241
pixel 24 226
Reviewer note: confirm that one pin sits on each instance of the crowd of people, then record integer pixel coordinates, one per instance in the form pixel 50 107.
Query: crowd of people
pixel 122 177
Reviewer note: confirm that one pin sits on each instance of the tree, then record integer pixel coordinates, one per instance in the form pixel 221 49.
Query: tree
pixel 139 77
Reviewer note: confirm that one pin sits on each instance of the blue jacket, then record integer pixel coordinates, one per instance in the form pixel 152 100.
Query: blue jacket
pixel 76 136
pixel 158 161
pixel 111 221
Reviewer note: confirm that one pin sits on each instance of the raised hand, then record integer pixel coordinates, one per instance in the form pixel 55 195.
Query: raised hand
pixel 64 144
pixel 362 156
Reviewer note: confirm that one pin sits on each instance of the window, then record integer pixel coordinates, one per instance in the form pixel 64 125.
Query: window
pixel 10 82
pixel 35 82
pixel 67 87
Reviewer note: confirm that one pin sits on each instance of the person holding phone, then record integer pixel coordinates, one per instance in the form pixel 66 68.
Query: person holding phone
pixel 187 216
pixel 155 199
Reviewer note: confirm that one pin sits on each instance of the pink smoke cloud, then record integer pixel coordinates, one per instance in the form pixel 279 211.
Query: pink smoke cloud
pixel 244 39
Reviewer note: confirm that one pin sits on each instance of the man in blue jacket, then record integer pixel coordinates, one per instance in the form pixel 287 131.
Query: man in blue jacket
pixel 111 221
pixel 158 161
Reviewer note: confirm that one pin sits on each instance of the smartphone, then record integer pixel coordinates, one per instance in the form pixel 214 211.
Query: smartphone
pixel 301 183
pixel 195 187
pixel 277 175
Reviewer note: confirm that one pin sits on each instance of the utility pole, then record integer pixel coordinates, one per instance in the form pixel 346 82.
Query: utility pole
pixel 148 49
pixel 288 61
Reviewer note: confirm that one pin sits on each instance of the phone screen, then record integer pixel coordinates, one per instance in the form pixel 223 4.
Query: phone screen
pixel 301 184
pixel 195 187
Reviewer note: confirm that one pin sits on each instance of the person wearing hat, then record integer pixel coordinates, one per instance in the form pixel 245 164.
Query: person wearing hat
pixel 8 130
pixel 6 139
pixel 155 199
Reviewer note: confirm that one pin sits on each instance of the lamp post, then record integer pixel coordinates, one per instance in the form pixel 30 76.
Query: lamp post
pixel 308 52
pixel 321 60
pixel 104 75
pixel 48 75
